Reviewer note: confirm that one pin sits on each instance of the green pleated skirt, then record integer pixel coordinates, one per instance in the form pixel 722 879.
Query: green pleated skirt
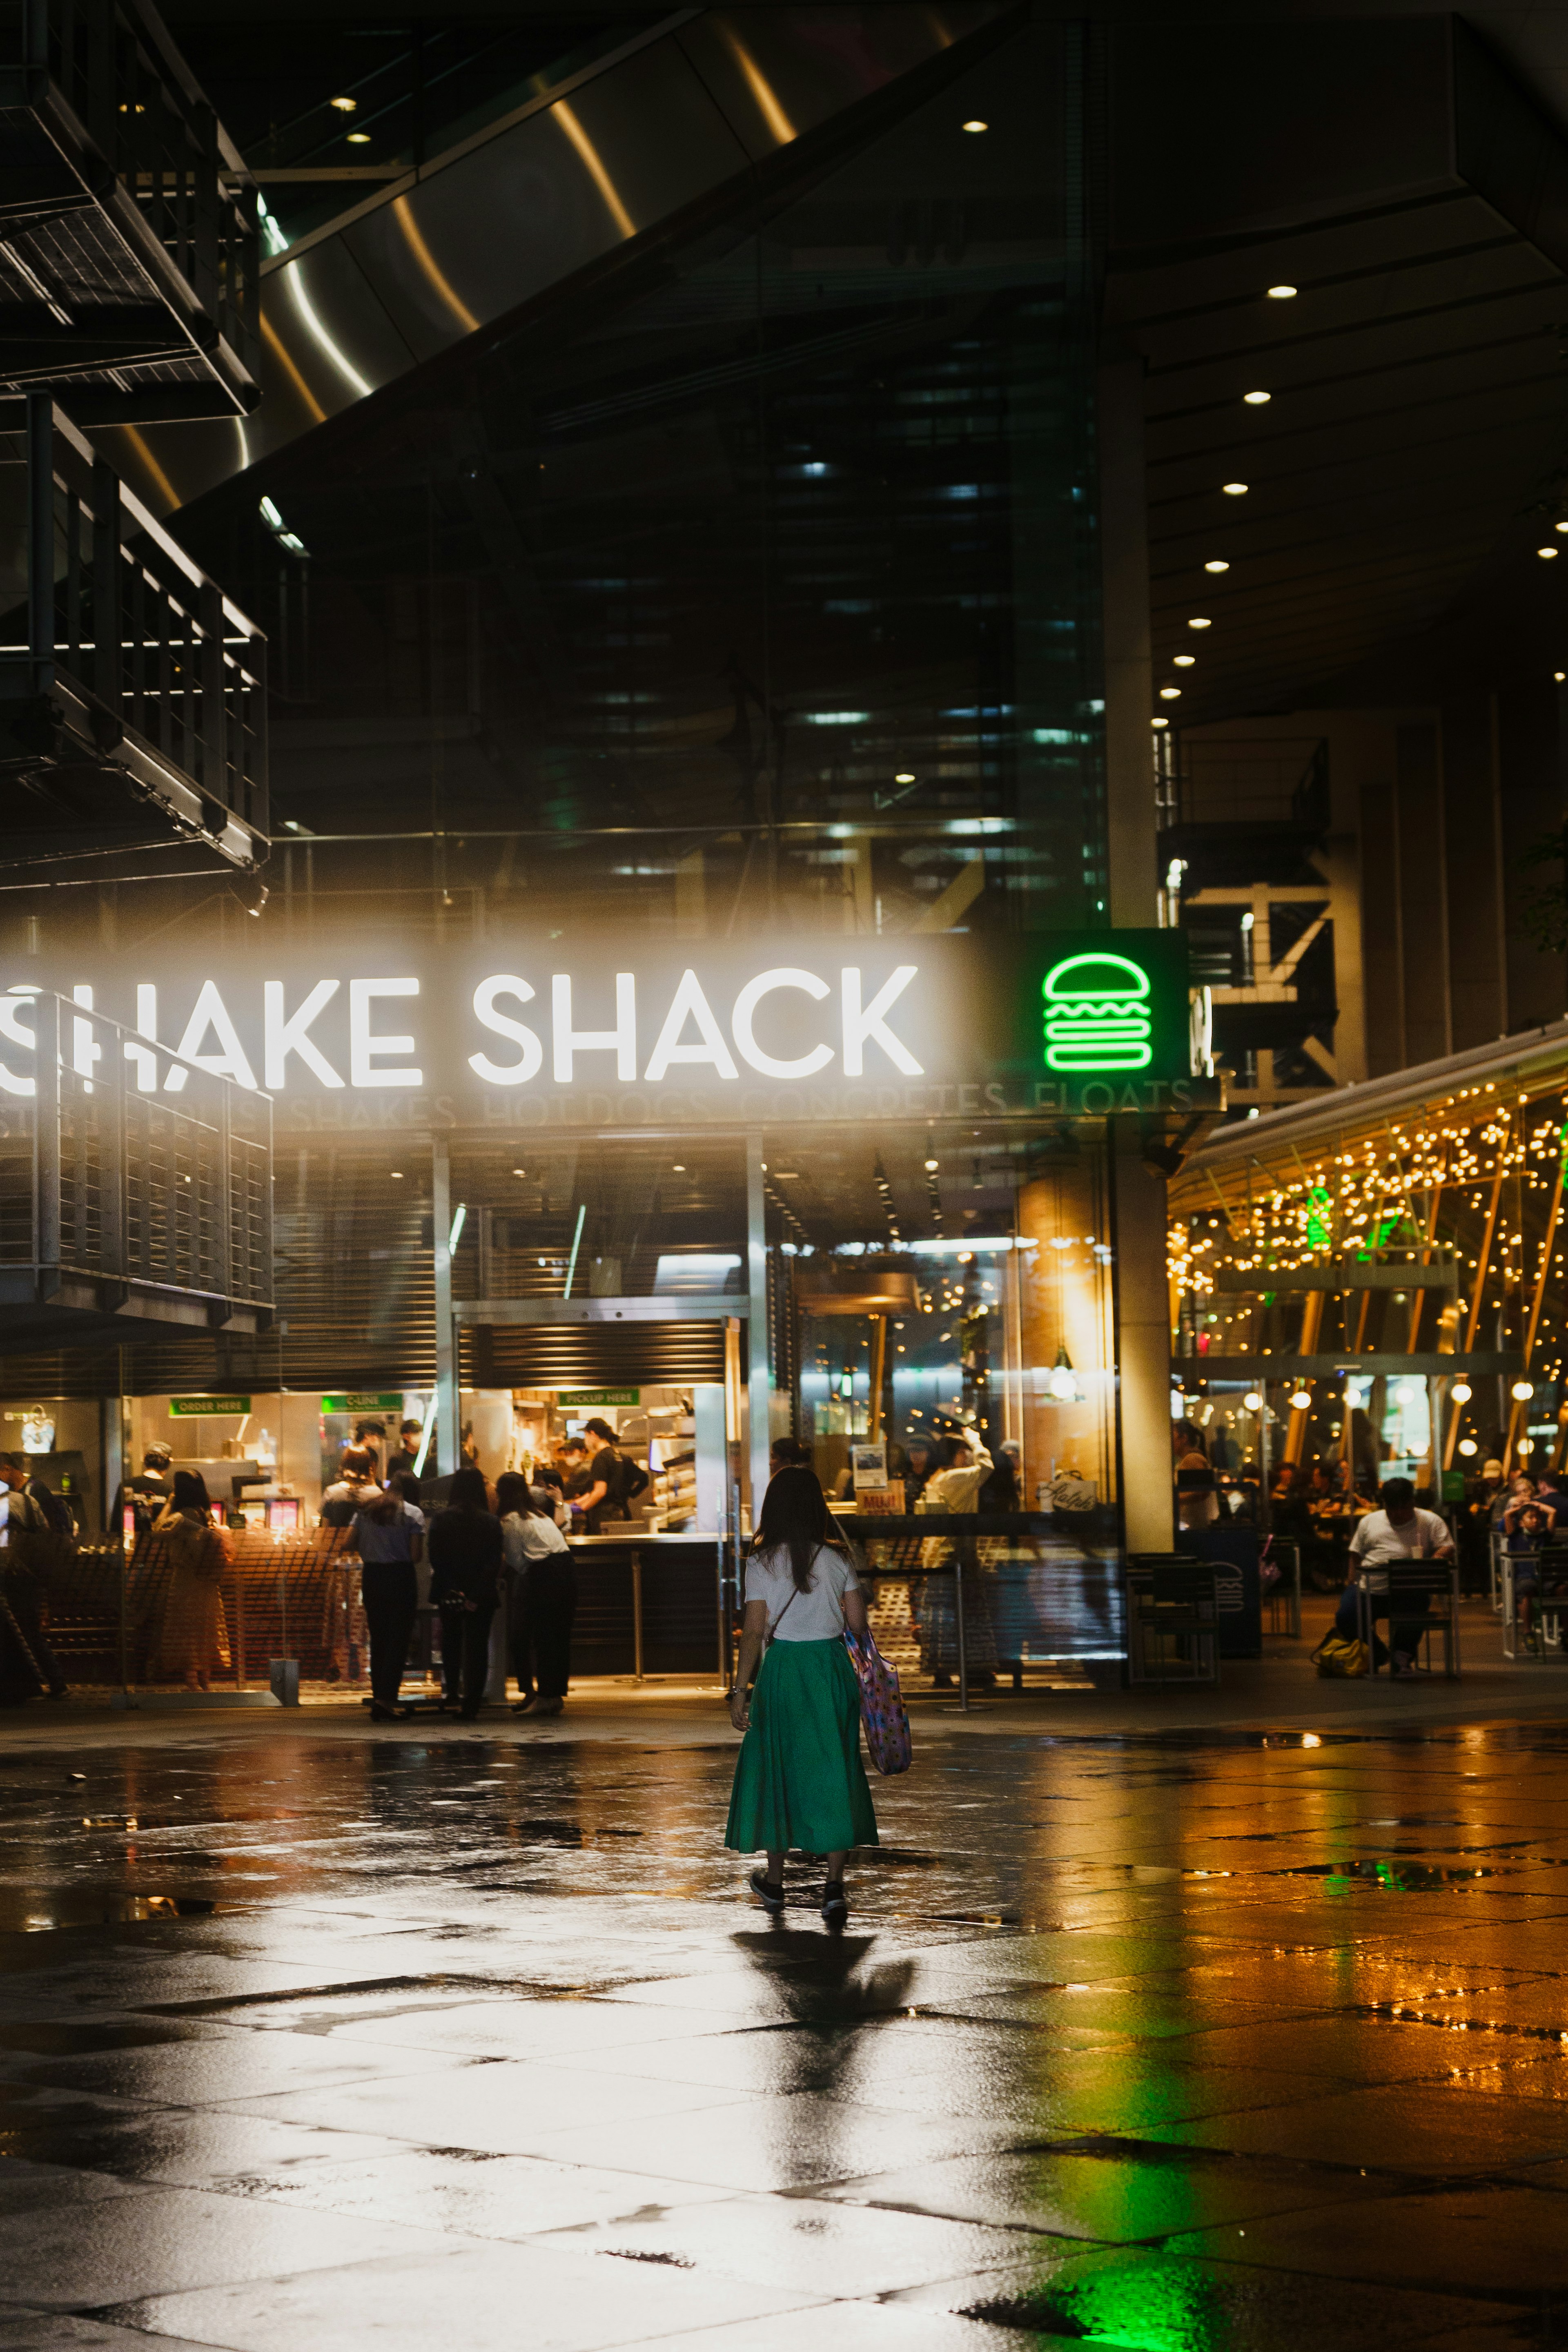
pixel 799 1778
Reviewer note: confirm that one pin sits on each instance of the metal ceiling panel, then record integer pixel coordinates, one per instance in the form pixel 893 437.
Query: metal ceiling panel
pixel 612 156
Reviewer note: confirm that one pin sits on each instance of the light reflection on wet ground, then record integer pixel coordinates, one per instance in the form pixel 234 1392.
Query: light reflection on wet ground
pixel 1186 2041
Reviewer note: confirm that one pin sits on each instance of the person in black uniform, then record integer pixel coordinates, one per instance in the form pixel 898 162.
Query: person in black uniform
pixel 146 1494
pixel 614 1483
pixel 406 1453
pixel 465 1564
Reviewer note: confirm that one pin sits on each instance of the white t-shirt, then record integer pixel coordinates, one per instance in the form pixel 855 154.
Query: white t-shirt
pixel 814 1616
pixel 525 1536
pixel 1376 1539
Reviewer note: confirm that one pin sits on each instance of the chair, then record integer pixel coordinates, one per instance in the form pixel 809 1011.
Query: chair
pixel 1551 1602
pixel 1427 1580
pixel 1172 1619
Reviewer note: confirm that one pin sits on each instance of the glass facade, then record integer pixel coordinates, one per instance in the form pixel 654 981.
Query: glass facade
pixel 758 588
pixel 746 591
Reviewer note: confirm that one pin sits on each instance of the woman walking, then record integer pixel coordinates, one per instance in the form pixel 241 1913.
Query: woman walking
pixel 799 1780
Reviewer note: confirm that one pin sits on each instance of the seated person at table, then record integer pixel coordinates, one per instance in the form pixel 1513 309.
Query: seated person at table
pixel 1399 1535
pixel 1523 1497
pixel 1529 1529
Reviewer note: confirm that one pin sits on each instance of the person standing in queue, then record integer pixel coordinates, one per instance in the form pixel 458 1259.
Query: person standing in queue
pixel 465 1561
pixel 389 1535
pixel 35 1548
pixel 355 1485
pixel 799 1778
pixel 542 1565
pixel 192 1641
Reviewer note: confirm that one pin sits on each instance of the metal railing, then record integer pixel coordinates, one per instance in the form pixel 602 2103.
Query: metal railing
pixel 132 650
pixel 129 1175
pixel 109 80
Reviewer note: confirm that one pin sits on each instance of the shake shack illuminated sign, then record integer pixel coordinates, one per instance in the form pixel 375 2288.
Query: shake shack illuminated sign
pixel 526 1032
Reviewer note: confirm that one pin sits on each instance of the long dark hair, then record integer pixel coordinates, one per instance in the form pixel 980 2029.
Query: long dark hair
pixel 405 1483
pixel 511 1494
pixel 795 1518
pixel 189 1492
pixel 467 1492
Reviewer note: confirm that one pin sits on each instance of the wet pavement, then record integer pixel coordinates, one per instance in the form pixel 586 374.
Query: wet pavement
pixel 1192 2040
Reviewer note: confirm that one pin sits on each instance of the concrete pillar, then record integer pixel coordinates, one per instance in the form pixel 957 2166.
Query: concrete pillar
pixel 1423 894
pixel 1129 685
pixel 1141 1300
pixel 1530 806
pixel 1382 949
pixel 1473 839
pixel 446 1408
pixel 758 1336
pixel 1143 1345
pixel 1065 1302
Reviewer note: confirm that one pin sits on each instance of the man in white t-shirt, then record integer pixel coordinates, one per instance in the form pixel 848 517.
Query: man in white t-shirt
pixel 1399 1533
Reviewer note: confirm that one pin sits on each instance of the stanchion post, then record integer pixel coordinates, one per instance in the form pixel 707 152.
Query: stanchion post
pixel 958 1616
pixel 636 1615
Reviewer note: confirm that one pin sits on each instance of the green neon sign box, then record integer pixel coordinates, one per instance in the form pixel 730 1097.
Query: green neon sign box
pixel 1106 1009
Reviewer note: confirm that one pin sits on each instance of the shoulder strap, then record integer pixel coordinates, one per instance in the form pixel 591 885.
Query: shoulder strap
pixel 778 1621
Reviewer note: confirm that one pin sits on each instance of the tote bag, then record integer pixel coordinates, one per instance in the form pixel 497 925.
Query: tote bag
pixel 882 1711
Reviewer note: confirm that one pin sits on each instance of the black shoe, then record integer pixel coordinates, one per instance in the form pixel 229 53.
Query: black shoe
pixel 835 1908
pixel 380 1714
pixel 770 1892
pixel 468 1714
pixel 550 1706
pixel 523 1704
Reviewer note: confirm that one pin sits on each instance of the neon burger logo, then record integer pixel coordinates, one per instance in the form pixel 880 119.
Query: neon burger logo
pixel 1095 1014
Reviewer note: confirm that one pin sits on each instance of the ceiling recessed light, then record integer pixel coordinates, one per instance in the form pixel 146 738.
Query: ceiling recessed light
pixel 345 105
pixel 1200 624
pixel 1183 661
pixel 1559 526
pixel 1233 489
pixel 1257 399
pixel 977 126
pixel 519 1172
pixel 1560 675
pixel 930 1163
pixel 358 138
pixel 1215 564
pixel 1281 293
pixel 1546 553
pixel 397 1175
pixel 905 776
pixel 1170 694
pixel 680 1167
pixel 1159 722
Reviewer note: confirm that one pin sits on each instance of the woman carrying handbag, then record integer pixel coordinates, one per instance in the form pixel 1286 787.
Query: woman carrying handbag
pixel 799 1780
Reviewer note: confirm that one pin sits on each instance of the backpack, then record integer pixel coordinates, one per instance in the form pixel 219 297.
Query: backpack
pixel 1336 1659
pixel 44 1551
pixel 634 1480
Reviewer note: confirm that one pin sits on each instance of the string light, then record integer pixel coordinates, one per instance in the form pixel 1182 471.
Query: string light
pixel 1432 1179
